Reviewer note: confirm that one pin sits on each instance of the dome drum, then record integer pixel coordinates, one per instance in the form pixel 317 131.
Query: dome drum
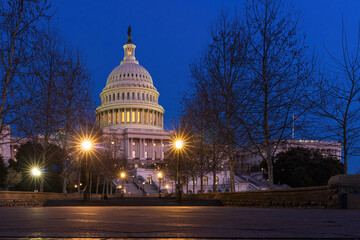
pixel 129 98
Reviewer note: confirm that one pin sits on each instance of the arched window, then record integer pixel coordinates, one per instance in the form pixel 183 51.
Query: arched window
pixel 118 96
pixel 128 95
pixel 109 98
pixel 205 181
pixel 114 97
pixel 147 97
pixel 217 180
pixel 150 98
pixel 133 95
pixel 106 98
pixel 143 96
pixel 123 96
pixel 138 96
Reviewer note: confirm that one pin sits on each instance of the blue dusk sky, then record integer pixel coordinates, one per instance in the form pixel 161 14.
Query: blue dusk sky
pixel 170 35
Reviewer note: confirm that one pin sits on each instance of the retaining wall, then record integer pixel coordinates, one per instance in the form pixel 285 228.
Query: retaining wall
pixel 35 199
pixel 309 197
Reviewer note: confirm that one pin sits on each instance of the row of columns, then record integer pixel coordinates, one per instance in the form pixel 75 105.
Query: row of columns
pixel 129 148
pixel 130 115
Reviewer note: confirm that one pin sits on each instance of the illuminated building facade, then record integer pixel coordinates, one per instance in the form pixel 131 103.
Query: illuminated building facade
pixel 131 113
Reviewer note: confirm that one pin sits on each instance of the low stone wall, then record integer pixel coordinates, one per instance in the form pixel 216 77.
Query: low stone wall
pixel 309 197
pixel 35 199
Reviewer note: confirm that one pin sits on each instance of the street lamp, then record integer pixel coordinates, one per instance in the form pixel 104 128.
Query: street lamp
pixel 36 173
pixel 122 175
pixel 144 182
pixel 159 177
pixel 86 146
pixel 178 144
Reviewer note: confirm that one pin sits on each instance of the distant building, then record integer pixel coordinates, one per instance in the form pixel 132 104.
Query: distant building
pixel 249 163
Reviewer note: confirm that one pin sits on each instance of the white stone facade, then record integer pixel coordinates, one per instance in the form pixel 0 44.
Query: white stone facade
pixel 130 111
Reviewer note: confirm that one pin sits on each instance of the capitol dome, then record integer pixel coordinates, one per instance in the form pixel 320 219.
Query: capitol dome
pixel 129 98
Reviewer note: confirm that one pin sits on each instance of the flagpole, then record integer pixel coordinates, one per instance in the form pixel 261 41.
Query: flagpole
pixel 293 127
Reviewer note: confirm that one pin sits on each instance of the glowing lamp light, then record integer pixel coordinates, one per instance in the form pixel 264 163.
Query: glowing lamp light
pixel 122 175
pixel 159 175
pixel 178 144
pixel 86 145
pixel 167 186
pixel 36 172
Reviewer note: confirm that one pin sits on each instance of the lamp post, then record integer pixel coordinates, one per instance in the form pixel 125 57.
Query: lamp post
pixel 144 182
pixel 159 177
pixel 178 145
pixel 36 173
pixel 86 146
pixel 122 175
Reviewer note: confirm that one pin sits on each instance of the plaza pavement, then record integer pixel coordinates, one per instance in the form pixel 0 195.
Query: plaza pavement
pixel 177 222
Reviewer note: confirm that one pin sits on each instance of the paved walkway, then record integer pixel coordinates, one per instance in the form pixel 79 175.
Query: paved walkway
pixel 178 222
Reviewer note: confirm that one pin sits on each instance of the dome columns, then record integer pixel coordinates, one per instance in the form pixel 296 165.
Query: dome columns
pixel 130 116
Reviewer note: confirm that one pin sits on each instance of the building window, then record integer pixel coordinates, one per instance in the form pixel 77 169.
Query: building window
pixel 163 155
pixel 150 98
pixel 146 155
pixel 114 97
pixel 138 96
pixel 123 96
pixel 143 96
pixel 128 95
pixel 134 154
pixel 118 96
pixel 117 117
pixel 205 181
pixel 217 181
pixel 139 116
pixel 127 116
pixel 145 143
pixel 147 97
pixel 133 96
pixel 133 116
pixel 122 117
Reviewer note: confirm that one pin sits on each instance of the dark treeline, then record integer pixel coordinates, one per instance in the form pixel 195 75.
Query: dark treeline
pixel 255 74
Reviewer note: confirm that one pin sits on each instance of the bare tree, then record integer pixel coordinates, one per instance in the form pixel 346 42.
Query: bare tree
pixel 339 97
pixel 20 21
pixel 218 82
pixel 278 76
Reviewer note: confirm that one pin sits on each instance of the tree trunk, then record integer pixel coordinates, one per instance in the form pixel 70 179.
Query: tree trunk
pixel 214 180
pixel 97 185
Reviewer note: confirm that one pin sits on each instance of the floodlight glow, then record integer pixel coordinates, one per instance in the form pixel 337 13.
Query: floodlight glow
pixel 35 171
pixel 178 144
pixel 86 145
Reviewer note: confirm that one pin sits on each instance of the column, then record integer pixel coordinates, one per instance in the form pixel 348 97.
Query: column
pixel 152 150
pixel 125 116
pixel 129 153
pixel 137 116
pixel 131 148
pixel 126 147
pixel 131 120
pixel 140 148
pixel 161 149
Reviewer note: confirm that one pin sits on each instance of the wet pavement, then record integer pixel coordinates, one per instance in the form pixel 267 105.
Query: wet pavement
pixel 177 222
